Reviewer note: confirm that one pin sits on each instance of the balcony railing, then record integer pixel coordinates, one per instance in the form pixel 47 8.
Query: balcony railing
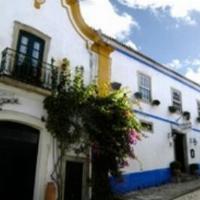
pixel 25 68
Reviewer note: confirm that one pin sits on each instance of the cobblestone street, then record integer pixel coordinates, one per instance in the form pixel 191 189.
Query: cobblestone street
pixel 195 195
pixel 174 191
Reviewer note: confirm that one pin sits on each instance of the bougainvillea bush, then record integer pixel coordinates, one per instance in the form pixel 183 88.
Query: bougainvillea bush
pixel 106 125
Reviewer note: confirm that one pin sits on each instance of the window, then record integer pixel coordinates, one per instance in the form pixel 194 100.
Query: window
pixel 31 46
pixel 20 27
pixel 30 50
pixel 198 108
pixel 144 83
pixel 146 126
pixel 176 100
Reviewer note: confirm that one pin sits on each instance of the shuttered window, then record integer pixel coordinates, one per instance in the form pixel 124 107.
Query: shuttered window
pixel 144 83
pixel 177 100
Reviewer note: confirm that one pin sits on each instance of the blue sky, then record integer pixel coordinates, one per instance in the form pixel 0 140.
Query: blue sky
pixel 165 30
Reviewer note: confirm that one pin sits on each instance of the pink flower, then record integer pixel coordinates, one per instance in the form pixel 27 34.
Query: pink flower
pixel 133 136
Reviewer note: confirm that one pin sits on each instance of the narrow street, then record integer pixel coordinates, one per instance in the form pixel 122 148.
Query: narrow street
pixel 195 195
pixel 189 190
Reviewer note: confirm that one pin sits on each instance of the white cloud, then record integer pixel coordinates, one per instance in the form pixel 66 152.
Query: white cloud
pixel 101 14
pixel 180 9
pixel 196 61
pixel 193 75
pixel 190 21
pixel 131 44
pixel 191 66
pixel 175 64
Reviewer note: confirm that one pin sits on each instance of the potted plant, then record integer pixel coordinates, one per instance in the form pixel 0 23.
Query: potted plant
pixel 138 95
pixel 115 85
pixel 172 109
pixel 194 169
pixel 175 167
pixel 198 119
pixel 155 102
pixel 186 115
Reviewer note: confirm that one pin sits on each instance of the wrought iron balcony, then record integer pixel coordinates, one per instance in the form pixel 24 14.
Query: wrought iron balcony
pixel 25 68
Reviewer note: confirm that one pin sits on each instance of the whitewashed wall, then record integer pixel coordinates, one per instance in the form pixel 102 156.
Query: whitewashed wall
pixel 52 20
pixel 29 111
pixel 155 152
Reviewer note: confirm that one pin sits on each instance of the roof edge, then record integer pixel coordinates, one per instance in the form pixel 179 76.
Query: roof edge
pixel 119 45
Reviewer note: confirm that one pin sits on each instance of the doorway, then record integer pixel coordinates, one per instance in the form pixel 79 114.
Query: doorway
pixel 73 180
pixel 180 149
pixel 18 156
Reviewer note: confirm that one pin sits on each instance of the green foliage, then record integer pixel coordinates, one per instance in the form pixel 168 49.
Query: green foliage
pixel 175 165
pixel 65 105
pixel 108 124
pixel 77 114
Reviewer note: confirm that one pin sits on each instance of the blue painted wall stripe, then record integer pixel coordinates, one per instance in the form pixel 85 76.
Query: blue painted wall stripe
pixel 196 130
pixel 159 70
pixel 161 119
pixel 140 180
pixel 155 117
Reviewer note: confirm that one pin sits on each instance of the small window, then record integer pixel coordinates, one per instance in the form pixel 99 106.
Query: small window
pixel 144 83
pixel 176 100
pixel 198 108
pixel 146 126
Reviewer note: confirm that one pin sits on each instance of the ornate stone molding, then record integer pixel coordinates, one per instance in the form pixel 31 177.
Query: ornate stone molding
pixel 98 45
pixel 7 98
pixel 38 3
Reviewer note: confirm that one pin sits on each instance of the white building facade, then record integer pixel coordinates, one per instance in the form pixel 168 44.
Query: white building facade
pixel 169 112
pixel 29 39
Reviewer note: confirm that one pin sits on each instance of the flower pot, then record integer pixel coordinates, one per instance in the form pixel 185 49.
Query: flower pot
pixel 175 167
pixel 194 169
pixel 186 115
pixel 138 95
pixel 155 102
pixel 50 191
pixel 172 109
pixel 115 85
pixel 198 119
pixel 176 172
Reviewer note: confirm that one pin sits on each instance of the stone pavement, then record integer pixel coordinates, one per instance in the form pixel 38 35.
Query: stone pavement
pixel 171 191
pixel 195 195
